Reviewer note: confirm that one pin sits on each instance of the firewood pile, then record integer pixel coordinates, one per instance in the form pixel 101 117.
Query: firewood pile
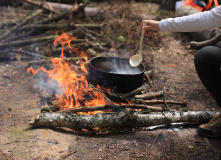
pixel 42 23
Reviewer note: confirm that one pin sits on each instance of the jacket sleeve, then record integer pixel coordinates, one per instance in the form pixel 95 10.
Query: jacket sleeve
pixel 193 23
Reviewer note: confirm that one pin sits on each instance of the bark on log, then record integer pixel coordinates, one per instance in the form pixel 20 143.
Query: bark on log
pixel 108 107
pixel 93 13
pixel 74 121
pixel 197 36
pixel 41 6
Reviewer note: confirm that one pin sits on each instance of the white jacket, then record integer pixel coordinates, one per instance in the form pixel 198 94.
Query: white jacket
pixel 193 23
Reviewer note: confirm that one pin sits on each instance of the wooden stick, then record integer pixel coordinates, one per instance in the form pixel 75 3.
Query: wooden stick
pixel 106 107
pixel 161 102
pixel 210 42
pixel 99 120
pixel 149 95
pixel 59 26
pixel 21 24
pixel 42 6
pixel 132 93
pixel 29 53
pixel 27 41
pixel 49 60
pixel 33 40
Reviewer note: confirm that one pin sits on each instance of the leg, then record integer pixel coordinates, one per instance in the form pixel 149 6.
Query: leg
pixel 208 66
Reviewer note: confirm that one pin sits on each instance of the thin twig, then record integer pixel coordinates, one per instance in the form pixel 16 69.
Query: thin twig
pixel 155 61
pixel 164 99
pixel 21 24
pixel 102 94
pixel 69 154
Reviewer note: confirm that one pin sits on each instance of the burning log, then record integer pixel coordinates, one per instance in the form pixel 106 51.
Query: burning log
pixel 21 24
pixel 149 95
pixel 99 120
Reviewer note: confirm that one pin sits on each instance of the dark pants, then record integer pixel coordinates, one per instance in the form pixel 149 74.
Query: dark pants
pixel 208 66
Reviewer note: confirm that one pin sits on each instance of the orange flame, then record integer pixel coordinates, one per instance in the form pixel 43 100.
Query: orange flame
pixel 74 87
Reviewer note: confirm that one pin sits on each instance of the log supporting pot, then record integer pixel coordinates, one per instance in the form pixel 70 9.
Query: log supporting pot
pixel 117 73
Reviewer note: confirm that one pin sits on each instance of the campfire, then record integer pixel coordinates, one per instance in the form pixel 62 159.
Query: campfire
pixel 84 107
pixel 74 87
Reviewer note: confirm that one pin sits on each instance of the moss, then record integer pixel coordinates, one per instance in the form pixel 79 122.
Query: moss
pixel 22 133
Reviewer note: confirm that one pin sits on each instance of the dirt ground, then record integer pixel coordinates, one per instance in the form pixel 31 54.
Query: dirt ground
pixel 174 62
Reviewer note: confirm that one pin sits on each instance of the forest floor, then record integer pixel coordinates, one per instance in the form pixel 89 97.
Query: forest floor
pixel 174 62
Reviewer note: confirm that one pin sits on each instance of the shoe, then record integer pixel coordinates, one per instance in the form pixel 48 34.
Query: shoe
pixel 212 128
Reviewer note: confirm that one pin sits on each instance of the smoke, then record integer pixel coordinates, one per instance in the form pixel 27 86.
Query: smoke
pixel 42 82
pixel 117 66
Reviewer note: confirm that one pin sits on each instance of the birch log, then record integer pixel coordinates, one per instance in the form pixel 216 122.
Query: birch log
pixel 74 121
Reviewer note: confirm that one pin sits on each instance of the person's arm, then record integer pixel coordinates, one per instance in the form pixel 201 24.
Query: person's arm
pixel 191 23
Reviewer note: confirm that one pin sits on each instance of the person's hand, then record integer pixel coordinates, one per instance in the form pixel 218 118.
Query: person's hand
pixel 150 26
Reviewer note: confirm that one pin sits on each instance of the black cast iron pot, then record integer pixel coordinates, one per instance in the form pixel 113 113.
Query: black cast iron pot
pixel 113 72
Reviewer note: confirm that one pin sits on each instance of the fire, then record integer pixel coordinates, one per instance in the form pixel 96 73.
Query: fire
pixel 74 87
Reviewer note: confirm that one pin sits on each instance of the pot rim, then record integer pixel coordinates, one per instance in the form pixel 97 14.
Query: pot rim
pixel 93 59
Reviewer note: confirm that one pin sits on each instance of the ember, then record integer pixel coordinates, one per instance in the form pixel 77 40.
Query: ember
pixel 74 88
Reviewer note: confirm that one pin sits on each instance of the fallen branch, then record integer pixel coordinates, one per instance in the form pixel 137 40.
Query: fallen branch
pixel 149 95
pixel 108 107
pixel 71 59
pixel 99 120
pixel 132 93
pixel 21 24
pixel 59 26
pixel 27 41
pixel 210 42
pixel 42 6
pixel 33 40
pixel 72 10
pixel 161 102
